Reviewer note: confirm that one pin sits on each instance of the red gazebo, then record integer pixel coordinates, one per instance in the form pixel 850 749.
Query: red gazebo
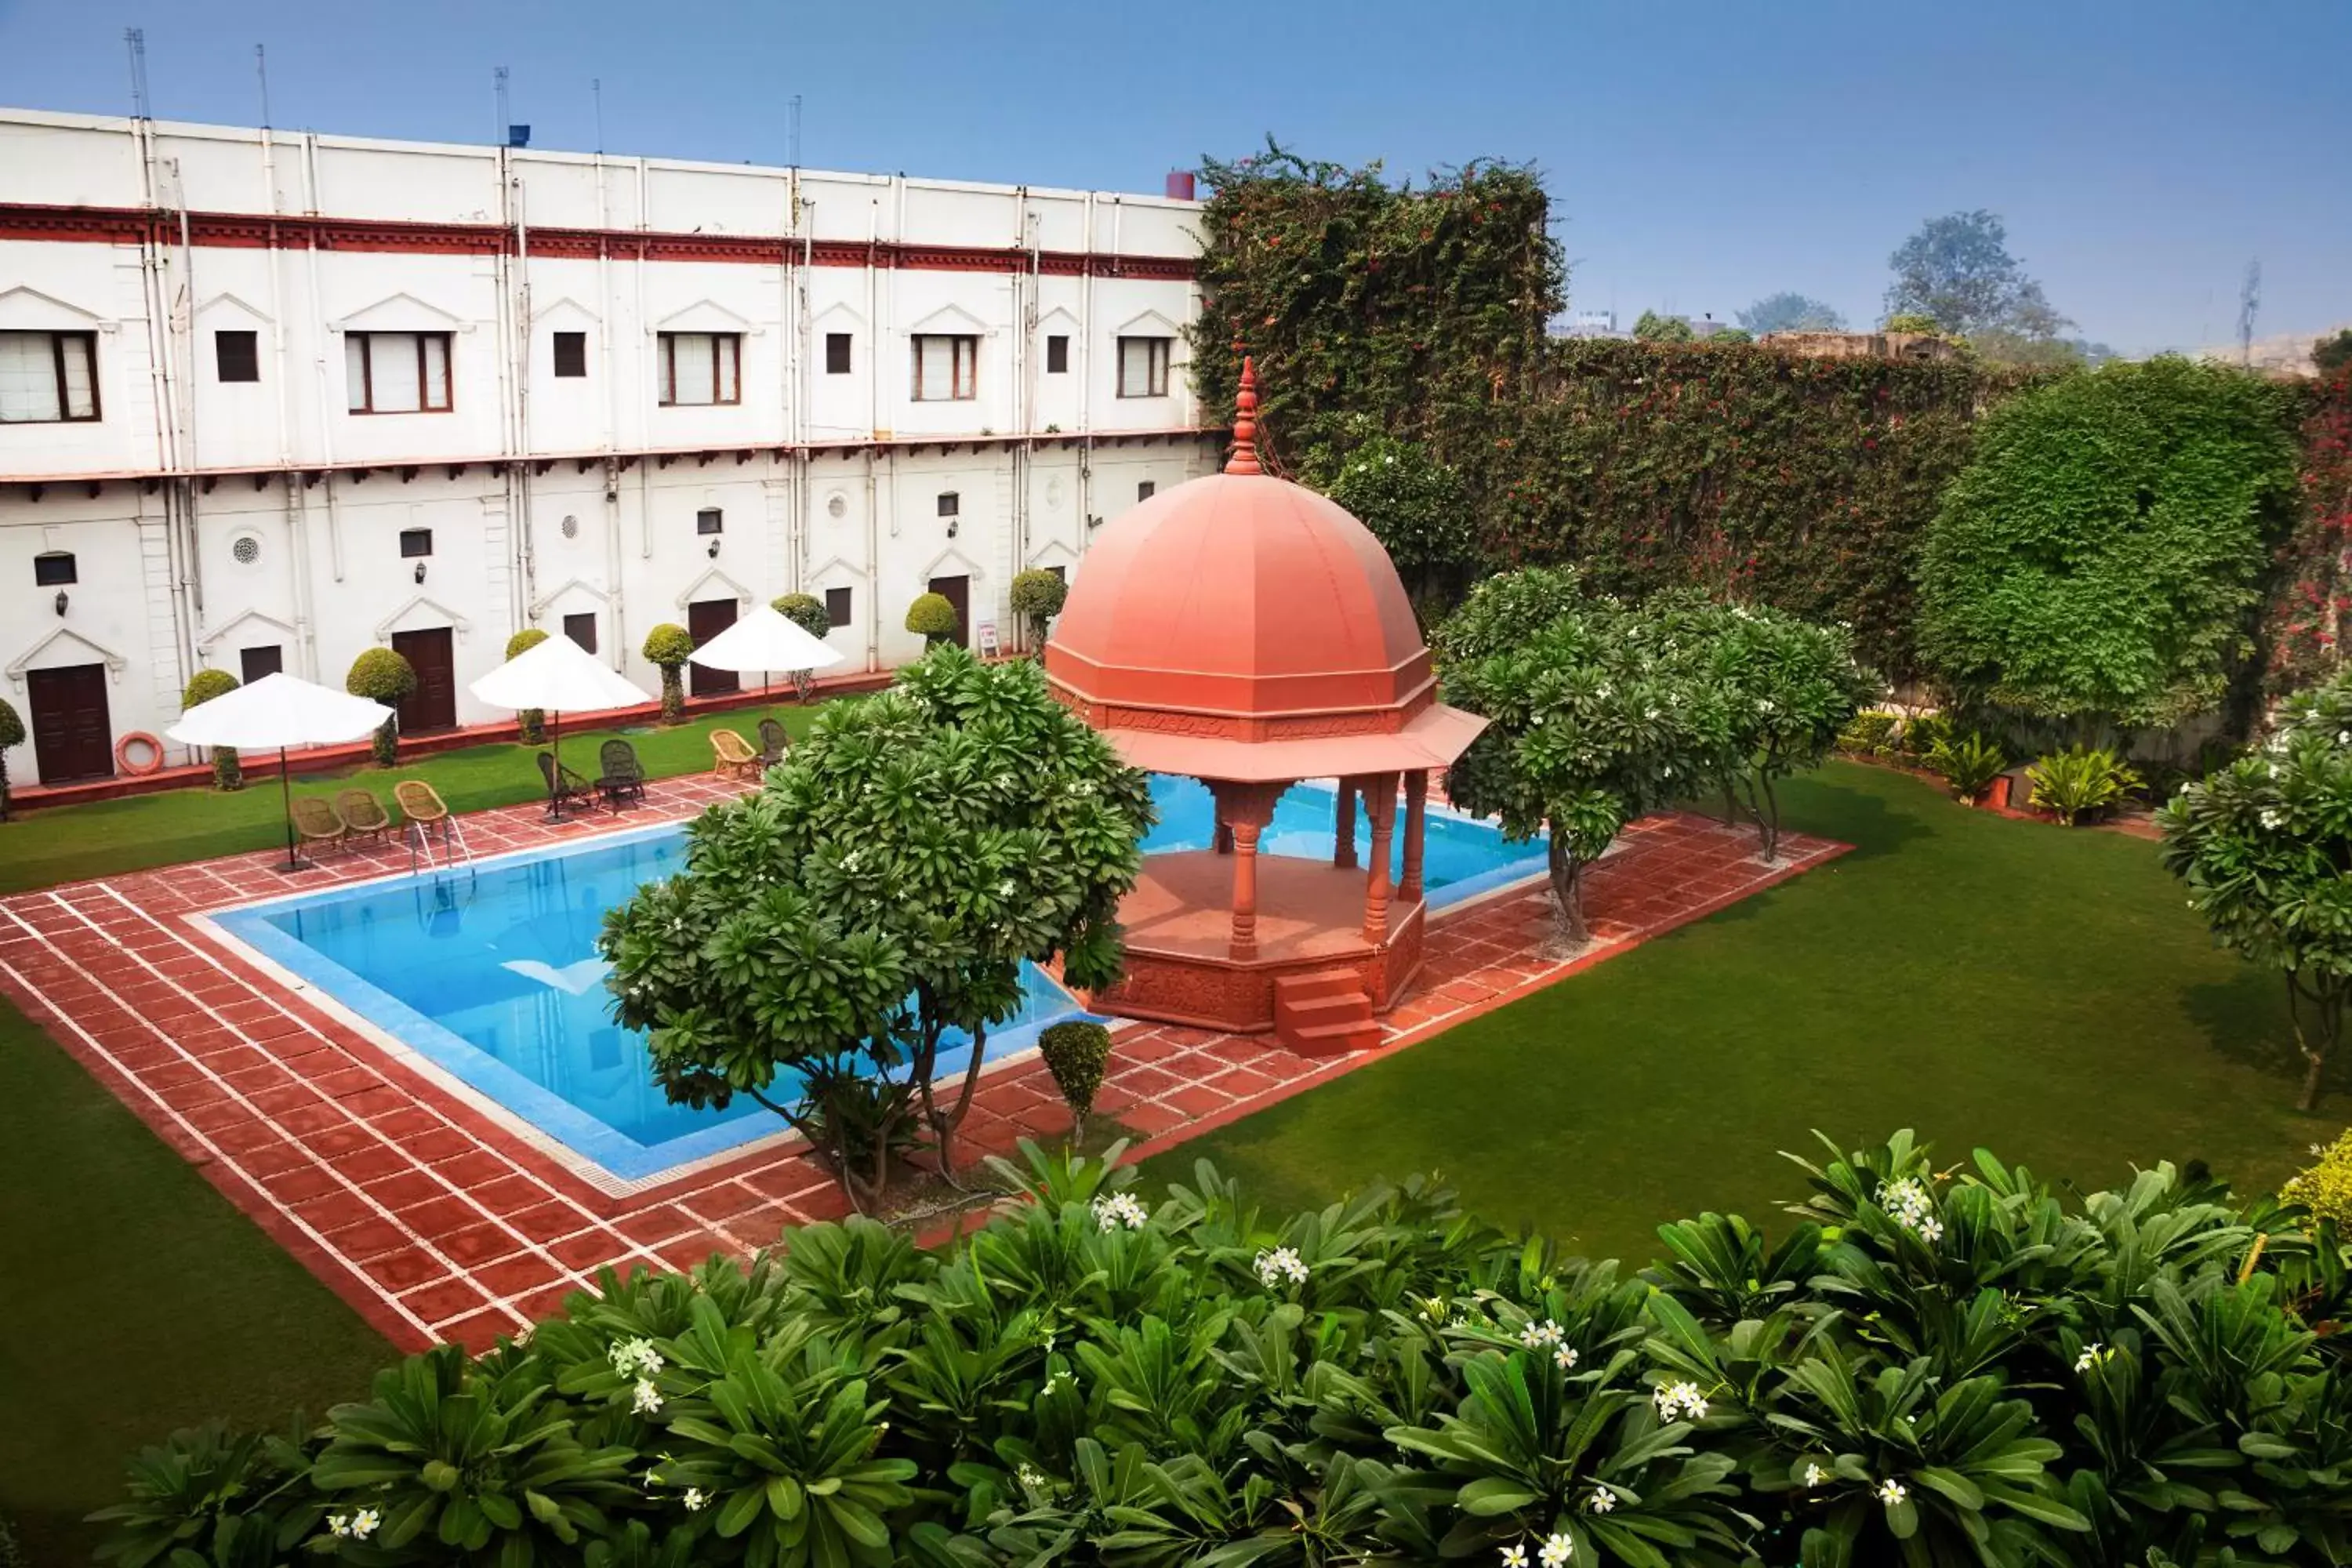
pixel 1249 633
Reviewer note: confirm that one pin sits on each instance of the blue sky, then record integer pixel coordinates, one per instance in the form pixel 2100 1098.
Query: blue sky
pixel 1698 154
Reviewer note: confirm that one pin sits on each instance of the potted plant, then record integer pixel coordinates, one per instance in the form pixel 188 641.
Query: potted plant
pixel 1971 766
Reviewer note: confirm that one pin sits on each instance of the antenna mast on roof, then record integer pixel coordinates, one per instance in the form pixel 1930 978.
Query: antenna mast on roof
pixel 596 90
pixel 261 69
pixel 499 83
pixel 793 133
pixel 136 39
pixel 2250 300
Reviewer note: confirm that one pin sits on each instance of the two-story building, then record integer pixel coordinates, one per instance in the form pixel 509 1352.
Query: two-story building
pixel 268 399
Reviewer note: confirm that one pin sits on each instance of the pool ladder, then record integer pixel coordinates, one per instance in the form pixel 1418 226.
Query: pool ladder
pixel 454 850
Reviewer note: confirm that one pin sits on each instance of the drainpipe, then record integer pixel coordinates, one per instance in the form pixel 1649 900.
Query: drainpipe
pixel 619 653
pixel 645 383
pixel 806 390
pixel 319 358
pixel 192 564
pixel 306 654
pixel 518 346
pixel 1087 384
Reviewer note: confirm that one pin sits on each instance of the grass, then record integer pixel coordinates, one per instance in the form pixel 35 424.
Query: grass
pixel 2041 992
pixel 70 843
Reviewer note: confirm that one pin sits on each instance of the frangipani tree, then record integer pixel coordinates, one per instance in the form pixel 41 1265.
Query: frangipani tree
pixel 880 893
pixel 1593 720
pixel 2265 847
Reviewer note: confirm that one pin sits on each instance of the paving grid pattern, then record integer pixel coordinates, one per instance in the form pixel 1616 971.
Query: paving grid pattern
pixel 437 1222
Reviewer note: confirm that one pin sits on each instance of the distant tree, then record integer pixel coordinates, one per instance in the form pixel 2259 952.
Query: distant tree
pixel 1416 507
pixel 1654 328
pixel 1913 321
pixel 1731 335
pixel 2329 355
pixel 1790 312
pixel 1957 271
pixel 2003 347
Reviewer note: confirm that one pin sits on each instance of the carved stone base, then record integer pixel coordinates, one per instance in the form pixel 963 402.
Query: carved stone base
pixel 1214 992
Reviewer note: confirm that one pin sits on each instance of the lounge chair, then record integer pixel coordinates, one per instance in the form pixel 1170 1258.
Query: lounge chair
pixel 363 815
pixel 620 776
pixel 421 805
pixel 732 755
pixel 562 784
pixel 315 820
pixel 774 742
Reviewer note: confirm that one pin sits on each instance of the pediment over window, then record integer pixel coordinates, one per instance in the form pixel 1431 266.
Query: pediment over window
pixel 565 311
pixel 62 646
pixel 421 614
pixel 243 625
pixel 24 310
pixel 226 304
pixel 705 316
pixel 949 320
pixel 1054 553
pixel 838 567
pixel 953 562
pixel 1057 321
pixel 401 313
pixel 1151 324
pixel 578 588
pixel 838 318
pixel 714 578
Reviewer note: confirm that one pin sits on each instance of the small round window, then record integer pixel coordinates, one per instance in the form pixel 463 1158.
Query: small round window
pixel 571 527
pixel 246 550
pixel 836 505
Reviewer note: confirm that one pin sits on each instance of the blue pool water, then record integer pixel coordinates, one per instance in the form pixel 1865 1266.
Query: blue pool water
pixel 493 976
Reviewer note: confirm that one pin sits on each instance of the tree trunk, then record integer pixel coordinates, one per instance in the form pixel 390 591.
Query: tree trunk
pixel 1568 890
pixel 1768 815
pixel 2312 1075
pixel 2327 1024
pixel 945 1127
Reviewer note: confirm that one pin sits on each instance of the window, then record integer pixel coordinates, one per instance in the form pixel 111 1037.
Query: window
pixel 582 628
pixel 837 353
pixel 253 663
pixel 1061 574
pixel 945 367
pixel 570 354
pixel 1145 490
pixel 1143 367
pixel 1057 355
pixel 950 503
pixel 709 519
pixel 47 377
pixel 836 607
pixel 699 369
pixel 415 541
pixel 236 356
pixel 53 569
pixel 398 373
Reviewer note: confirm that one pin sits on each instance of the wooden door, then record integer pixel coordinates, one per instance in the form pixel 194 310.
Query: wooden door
pixel 957 591
pixel 705 619
pixel 434 704
pixel 72 738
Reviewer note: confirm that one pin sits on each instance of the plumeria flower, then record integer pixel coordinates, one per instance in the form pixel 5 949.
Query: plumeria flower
pixel 1514 1556
pixel 696 1499
pixel 1679 1396
pixel 1892 1492
pixel 1556 1549
pixel 1815 1475
pixel 648 1398
pixel 1563 1358
pixel 1280 1264
pixel 636 1358
pixel 1537 1334
pixel 1121 1209
pixel 1030 1475
pixel 1603 1500
pixel 2271 817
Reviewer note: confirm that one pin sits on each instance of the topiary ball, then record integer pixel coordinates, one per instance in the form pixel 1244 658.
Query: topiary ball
pixel 805 611
pixel 1078 1054
pixel 669 645
pixel 205 685
pixel 380 675
pixel 12 727
pixel 932 617
pixel 525 640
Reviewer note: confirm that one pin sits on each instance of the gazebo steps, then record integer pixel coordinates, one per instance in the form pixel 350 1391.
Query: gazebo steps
pixel 1324 1013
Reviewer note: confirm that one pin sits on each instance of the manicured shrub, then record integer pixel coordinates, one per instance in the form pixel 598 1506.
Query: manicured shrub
pixel 1934 1362
pixel 931 617
pixel 2080 783
pixel 668 645
pixel 383 676
pixel 1038 596
pixel 2324 1187
pixel 1417 508
pixel 203 687
pixel 531 721
pixel 12 734
pixel 805 611
pixel 1968 765
pixel 1076 1053
pixel 1870 734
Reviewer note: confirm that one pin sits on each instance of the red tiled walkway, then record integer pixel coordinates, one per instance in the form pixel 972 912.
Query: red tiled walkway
pixel 438 1221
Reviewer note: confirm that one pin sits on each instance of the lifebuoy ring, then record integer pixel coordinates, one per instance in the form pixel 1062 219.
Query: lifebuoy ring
pixel 138 769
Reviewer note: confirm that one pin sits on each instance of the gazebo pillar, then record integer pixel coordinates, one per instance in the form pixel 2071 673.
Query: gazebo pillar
pixel 1416 825
pixel 1343 827
pixel 1380 805
pixel 1243 811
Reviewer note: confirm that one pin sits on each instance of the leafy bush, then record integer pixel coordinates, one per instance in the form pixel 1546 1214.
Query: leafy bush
pixel 530 721
pixel 1921 733
pixel 12 734
pixel 2080 782
pixel 1940 1366
pixel 805 611
pixel 1416 507
pixel 380 675
pixel 667 646
pixel 203 687
pixel 1653 328
pixel 1038 596
pixel 2325 1186
pixel 1870 734
pixel 1076 1053
pixel 1968 765
pixel 931 617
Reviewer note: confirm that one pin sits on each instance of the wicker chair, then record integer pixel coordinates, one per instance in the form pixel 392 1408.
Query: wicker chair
pixel 774 742
pixel 620 776
pixel 362 814
pixel 421 803
pixel 731 755
pixel 563 786
pixel 315 820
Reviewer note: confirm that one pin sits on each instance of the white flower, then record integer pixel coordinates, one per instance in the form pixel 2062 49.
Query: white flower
pixel 1679 1396
pixel 1815 1475
pixel 1913 1206
pixel 354 1526
pixel 1514 1556
pixel 1538 1334
pixel 2271 817
pixel 648 1399
pixel 2318 1149
pixel 1604 1501
pixel 1118 1209
pixel 1030 1475
pixel 1892 1492
pixel 2344 737
pixel 1556 1549
pixel 1563 1358
pixel 696 1499
pixel 1282 1263
pixel 1931 1230
pixel 2092 1354
pixel 636 1358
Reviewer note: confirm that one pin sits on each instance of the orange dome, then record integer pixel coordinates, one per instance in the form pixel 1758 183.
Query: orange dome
pixel 1241 627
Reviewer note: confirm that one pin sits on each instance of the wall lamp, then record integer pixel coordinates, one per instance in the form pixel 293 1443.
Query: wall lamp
pixel 60 601
pixel 420 571
pixel 952 528
pixel 713 550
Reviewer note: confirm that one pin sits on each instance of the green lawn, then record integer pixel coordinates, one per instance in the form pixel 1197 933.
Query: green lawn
pixel 2042 993
pixel 66 844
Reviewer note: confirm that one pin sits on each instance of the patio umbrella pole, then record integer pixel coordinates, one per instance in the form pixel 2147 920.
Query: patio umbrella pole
pixel 286 800
pixel 555 774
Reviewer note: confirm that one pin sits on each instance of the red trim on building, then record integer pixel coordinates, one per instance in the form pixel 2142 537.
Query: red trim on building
pixel 257 231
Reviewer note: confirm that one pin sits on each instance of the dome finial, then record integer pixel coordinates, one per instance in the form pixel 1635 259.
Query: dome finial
pixel 1244 458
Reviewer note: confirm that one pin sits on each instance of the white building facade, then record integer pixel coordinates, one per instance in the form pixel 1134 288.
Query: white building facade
pixel 269 399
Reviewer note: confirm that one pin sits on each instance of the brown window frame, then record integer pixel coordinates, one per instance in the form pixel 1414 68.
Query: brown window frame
pixel 408 534
pixel 964 366
pixel 839 611
pixel 840 354
pixel 250 364
pixel 574 345
pixel 244 661
pixel 47 572
pixel 1161 352
pixel 588 644
pixel 66 415
pixel 666 392
pixel 424 383
pixel 1057 353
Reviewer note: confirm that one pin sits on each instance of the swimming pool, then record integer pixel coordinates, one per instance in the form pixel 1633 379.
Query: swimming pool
pixel 492 976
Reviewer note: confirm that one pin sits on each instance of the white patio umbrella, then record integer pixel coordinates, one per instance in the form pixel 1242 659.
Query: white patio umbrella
pixel 280 710
pixel 764 640
pixel 558 675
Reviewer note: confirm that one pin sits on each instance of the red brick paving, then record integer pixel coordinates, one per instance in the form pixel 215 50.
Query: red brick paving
pixel 436 1222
